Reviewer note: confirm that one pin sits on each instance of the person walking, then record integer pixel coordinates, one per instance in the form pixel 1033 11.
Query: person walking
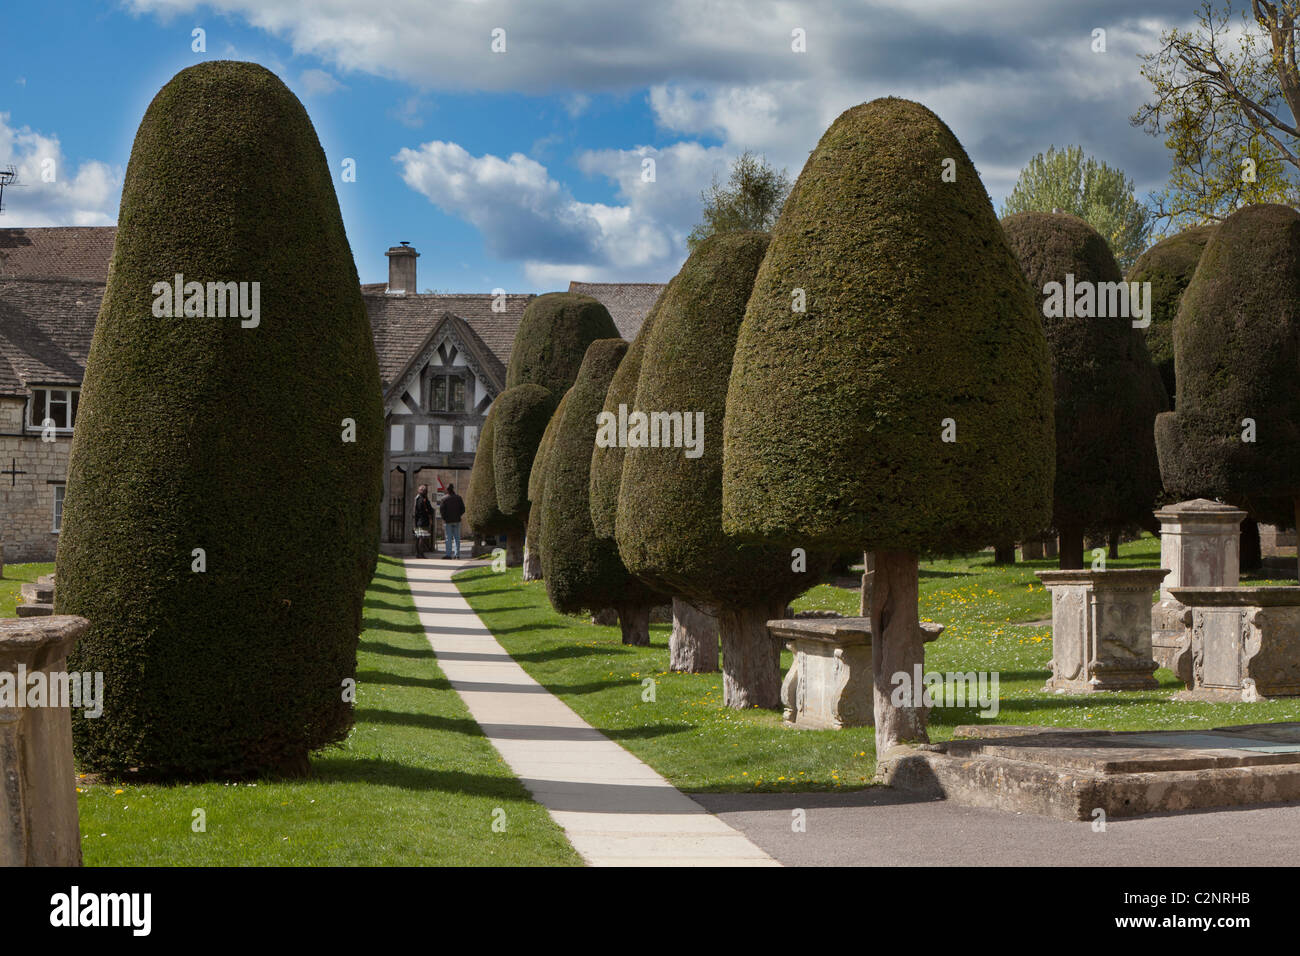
pixel 423 522
pixel 452 509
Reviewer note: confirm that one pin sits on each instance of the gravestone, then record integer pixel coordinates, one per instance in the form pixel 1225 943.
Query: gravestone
pixel 1200 544
pixel 38 823
pixel 829 685
pixel 1243 643
pixel 1101 629
pixel 1038 549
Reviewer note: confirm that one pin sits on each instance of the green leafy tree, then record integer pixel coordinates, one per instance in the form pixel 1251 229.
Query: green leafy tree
pixel 751 199
pixel 1224 96
pixel 1099 194
pixel 918 321
pixel 219 538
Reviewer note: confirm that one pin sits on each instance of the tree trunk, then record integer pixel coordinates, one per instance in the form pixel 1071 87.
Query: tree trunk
pixel 693 644
pixel 1252 558
pixel 864 595
pixel 1071 549
pixel 1112 545
pixel 751 657
pixel 532 563
pixel 896 648
pixel 1005 553
pixel 514 549
pixel 634 621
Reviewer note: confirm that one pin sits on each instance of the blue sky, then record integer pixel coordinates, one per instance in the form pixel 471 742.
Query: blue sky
pixel 523 169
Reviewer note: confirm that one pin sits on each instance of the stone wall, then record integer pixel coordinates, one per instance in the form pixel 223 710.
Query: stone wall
pixel 27 500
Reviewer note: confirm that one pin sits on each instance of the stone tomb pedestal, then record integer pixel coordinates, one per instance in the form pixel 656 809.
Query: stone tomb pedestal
pixel 1101 629
pixel 1243 643
pixel 829 682
pixel 1200 544
pixel 38 787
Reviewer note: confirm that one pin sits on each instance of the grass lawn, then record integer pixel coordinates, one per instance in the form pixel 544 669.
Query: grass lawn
pixel 997 620
pixel 11 583
pixel 416 783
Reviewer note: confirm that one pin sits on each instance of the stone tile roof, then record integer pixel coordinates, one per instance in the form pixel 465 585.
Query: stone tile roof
pixel 401 323
pixel 45 329
pixel 75 252
pixel 628 302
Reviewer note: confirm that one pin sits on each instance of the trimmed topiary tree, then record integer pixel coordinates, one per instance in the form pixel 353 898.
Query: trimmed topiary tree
pixel 1235 431
pixel 1168 266
pixel 221 520
pixel 669 527
pixel 482 513
pixel 607 461
pixel 522 416
pixel 1107 391
pixel 693 642
pixel 553 337
pixel 909 408
pixel 537 489
pixel 583 571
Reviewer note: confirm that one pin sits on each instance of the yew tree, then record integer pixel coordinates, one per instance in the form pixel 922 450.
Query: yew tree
pixel 669 526
pixel 1107 392
pixel 891 389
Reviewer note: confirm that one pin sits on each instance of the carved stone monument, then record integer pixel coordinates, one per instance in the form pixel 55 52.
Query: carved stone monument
pixel 1243 643
pixel 1101 629
pixel 1200 544
pixel 829 682
pixel 38 787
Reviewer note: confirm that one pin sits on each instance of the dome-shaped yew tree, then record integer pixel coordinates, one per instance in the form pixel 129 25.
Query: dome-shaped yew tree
pixel 908 406
pixel 1107 391
pixel 221 520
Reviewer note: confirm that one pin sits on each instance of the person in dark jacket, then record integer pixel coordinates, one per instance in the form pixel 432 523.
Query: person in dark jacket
pixel 451 509
pixel 423 521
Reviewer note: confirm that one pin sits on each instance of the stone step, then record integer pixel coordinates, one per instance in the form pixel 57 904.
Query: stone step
pixel 35 610
pixel 37 593
pixel 46 579
pixel 1072 774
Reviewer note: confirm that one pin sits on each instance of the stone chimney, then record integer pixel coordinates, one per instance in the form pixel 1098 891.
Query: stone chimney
pixel 401 270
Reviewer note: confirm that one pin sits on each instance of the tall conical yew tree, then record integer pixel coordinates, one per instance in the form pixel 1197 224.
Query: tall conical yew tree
pixel 537 483
pixel 1235 430
pixel 583 571
pixel 221 520
pixel 482 513
pixel 1169 266
pixel 669 526
pixel 548 349
pixel 693 643
pixel 522 413
pixel 1107 391
pixel 891 389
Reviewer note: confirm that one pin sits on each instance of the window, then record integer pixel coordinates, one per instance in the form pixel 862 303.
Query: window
pixel 56 404
pixel 58 509
pixel 447 393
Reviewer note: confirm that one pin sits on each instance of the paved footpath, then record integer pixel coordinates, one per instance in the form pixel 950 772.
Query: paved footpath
pixel 615 810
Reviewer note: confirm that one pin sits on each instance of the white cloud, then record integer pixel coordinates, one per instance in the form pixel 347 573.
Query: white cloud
pixel 1011 77
pixel 84 195
pixel 318 83
pixel 527 216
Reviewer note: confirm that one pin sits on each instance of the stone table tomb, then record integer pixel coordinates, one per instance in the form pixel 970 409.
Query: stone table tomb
pixel 1243 642
pixel 1101 629
pixel 829 682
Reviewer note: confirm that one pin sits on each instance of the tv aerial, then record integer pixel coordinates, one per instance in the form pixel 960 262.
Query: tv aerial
pixel 8 176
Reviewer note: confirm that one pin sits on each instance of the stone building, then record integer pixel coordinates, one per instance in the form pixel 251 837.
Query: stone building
pixel 442 362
